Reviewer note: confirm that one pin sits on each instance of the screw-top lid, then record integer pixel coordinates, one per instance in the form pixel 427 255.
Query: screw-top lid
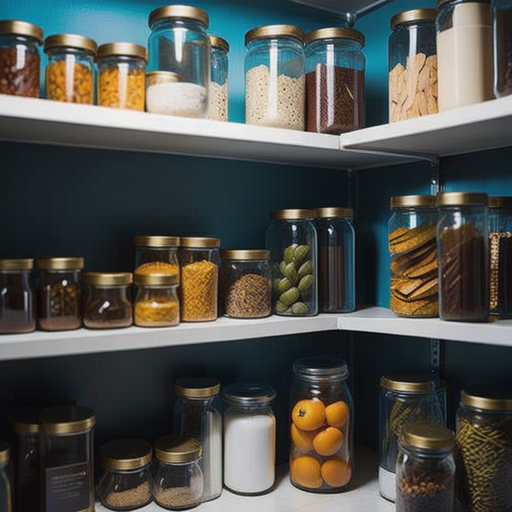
pixel 122 49
pixel 70 41
pixel 269 31
pixel 21 28
pixel 333 212
pixel 178 449
pixel 292 214
pixel 67 419
pixel 16 263
pixel 162 77
pixel 409 381
pixel 59 263
pixel 126 454
pixel 155 279
pixel 5 452
pixel 321 368
pixel 156 240
pixel 24 420
pixel 218 42
pixel 461 198
pixel 413 15
pixel 412 201
pixel 248 394
pixel 245 254
pixel 334 33
pixel 500 202
pixel 427 436
pixel 200 242
pixel 488 398
pixel 107 278
pixel 178 11
pixel 197 387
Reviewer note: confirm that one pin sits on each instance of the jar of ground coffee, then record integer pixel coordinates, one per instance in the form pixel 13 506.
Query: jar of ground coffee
pixel 502 33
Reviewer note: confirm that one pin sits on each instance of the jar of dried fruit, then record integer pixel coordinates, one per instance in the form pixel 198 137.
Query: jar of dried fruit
pixel 218 110
pixel 20 58
pixel 156 254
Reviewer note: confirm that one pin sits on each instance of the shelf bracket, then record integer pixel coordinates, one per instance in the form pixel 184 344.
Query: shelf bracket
pixel 437 179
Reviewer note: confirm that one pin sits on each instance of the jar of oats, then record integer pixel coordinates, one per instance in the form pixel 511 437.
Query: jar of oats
pixel 218 79
pixel 275 79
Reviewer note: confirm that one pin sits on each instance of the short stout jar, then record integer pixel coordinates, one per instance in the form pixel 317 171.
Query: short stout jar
pixel 219 66
pixel 6 502
pixel 156 254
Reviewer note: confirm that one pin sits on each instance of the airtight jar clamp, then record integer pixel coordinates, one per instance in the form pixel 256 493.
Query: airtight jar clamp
pixel 219 66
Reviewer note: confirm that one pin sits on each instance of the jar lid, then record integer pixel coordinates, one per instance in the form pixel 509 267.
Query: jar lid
pixel 197 387
pixel 107 278
pixel 199 242
pixel 5 452
pixel 178 11
pixel 322 367
pixel 292 214
pixel 156 240
pixel 248 394
pixel 245 254
pixel 427 436
pixel 269 31
pixel 122 49
pixel 442 2
pixel 333 212
pixel 59 263
pixel 126 454
pixel 461 198
pixel 67 419
pixel 412 201
pixel 24 420
pixel 218 42
pixel 488 398
pixel 500 202
pixel 155 279
pixel 16 263
pixel 162 77
pixel 409 381
pixel 70 40
pixel 334 33
pixel 21 28
pixel 413 15
pixel 178 449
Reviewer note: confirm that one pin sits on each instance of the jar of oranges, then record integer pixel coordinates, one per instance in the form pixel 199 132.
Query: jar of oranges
pixel 321 425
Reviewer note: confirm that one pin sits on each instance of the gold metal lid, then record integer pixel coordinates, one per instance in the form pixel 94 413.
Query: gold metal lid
pixel 161 77
pixel 245 254
pixel 107 278
pixel 461 198
pixel 21 28
pixel 413 15
pixel 409 381
pixel 500 202
pixel 334 33
pixel 156 240
pixel 70 40
pixel 122 49
pixel 292 214
pixel 173 448
pixel 427 436
pixel 200 241
pixel 269 31
pixel 126 454
pixel 333 212
pixel 59 263
pixel 197 387
pixel 178 11
pixel 5 452
pixel 16 263
pixel 218 42
pixel 67 419
pixel 488 398
pixel 412 201
pixel 155 279
pixel 24 420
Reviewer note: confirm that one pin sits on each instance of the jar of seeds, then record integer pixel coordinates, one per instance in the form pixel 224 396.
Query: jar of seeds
pixel 218 110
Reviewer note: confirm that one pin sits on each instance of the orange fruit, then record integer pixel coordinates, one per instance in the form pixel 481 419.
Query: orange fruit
pixel 306 471
pixel 336 414
pixel 308 414
pixel 302 439
pixel 328 441
pixel 336 472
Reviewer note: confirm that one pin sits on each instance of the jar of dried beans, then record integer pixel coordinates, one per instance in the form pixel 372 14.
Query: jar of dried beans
pixel 412 59
pixel 218 110
pixel 246 283
pixel 70 68
pixel 275 83
pixel 20 58
pixel 502 43
pixel 156 254
pixel 121 75
pixel 335 77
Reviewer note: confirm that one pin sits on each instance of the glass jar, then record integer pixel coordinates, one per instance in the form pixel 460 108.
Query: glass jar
pixel 156 254
pixel 464 53
pixel 336 260
pixel 20 58
pixel 199 266
pixel 425 469
pixel 156 302
pixel 412 64
pixel 249 438
pixel 59 294
pixel 275 83
pixel 502 44
pixel 121 75
pixel 484 449
pixel 413 256
pixel 218 109
pixel 178 483
pixel 321 451
pixel 70 68
pixel 246 283
pixel 17 305
pixel 335 80
pixel 463 254
pixel 125 482
pixel 67 468
pixel 500 247
pixel 292 240
pixel 404 397
pixel 178 43
pixel 5 477
pixel 196 415
pixel 107 303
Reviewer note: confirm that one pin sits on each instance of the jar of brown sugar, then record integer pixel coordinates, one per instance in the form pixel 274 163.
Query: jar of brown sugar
pixel 156 254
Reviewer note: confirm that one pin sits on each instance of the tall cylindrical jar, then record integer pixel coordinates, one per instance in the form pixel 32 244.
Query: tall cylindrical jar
pixel 413 256
pixel 20 58
pixel 336 260
pixel 6 502
pixel 321 455
pixel 464 53
pixel 249 438
pixel 335 80
pixel 275 80
pixel 484 449
pixel 291 238
pixel 219 66
pixel 502 39
pixel 412 64
pixel 463 255
pixel 178 43
pixel 196 414
pixel 156 254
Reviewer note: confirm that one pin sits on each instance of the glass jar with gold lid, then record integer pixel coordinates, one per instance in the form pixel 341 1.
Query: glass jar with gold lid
pixel 156 254
pixel 219 65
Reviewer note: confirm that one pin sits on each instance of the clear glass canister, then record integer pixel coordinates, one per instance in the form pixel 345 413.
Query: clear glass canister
pixel 107 300
pixel 412 64
pixel 336 260
pixel 17 304
pixel 20 58
pixel 425 469
pixel 404 397
pixel 413 256
pixel 178 43
pixel 178 482
pixel 275 77
pixel 321 452
pixel 156 254
pixel 218 110
pixel 197 415
pixel 500 247
pixel 70 69
pixel 464 53
pixel 125 482
pixel 335 80
pixel 67 469
pixel 484 449
pixel 463 255
pixel 156 302
pixel 246 283
pixel 121 75
pixel 249 438
pixel 59 293
pixel 291 238
pixel 199 264
pixel 5 477
pixel 502 43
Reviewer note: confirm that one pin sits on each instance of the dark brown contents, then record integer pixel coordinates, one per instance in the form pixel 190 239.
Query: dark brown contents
pixel 501 273
pixel 16 80
pixel 249 297
pixel 59 306
pixel 17 313
pixel 105 314
pixel 331 283
pixel 503 21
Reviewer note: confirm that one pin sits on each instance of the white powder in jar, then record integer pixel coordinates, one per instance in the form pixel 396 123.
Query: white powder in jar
pixel 177 99
pixel 218 97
